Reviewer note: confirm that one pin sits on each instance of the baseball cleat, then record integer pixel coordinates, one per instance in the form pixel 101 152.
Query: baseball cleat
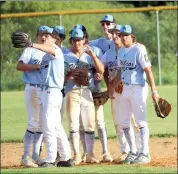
pixel 142 159
pixel 68 163
pixel 121 158
pixel 107 157
pixel 28 162
pixel 130 157
pixel 84 156
pixel 48 165
pixel 77 159
pixel 38 161
pixel 91 159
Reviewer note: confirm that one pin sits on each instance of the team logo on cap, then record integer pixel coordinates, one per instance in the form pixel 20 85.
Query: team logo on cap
pixel 106 16
pixel 76 33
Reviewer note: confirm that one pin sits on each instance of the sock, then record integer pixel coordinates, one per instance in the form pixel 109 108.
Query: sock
pixel 38 136
pixel 103 138
pixel 82 138
pixel 144 135
pixel 28 141
pixel 74 138
pixel 89 139
pixel 130 139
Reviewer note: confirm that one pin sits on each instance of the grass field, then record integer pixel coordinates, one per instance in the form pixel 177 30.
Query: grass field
pixel 13 116
pixel 13 125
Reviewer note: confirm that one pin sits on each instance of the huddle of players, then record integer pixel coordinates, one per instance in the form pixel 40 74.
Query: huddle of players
pixel 43 66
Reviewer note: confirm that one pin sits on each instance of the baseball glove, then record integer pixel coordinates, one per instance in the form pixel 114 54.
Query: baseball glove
pixel 21 40
pixel 80 76
pixel 100 98
pixel 119 88
pixel 162 108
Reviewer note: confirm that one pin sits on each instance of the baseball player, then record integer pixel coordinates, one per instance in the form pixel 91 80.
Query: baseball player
pixel 79 101
pixel 99 113
pixel 29 63
pixel 110 61
pixel 105 43
pixel 52 71
pixel 134 68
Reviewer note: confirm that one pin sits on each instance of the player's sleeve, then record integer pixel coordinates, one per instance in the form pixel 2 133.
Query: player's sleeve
pixel 104 59
pixel 26 55
pixel 143 58
pixel 58 53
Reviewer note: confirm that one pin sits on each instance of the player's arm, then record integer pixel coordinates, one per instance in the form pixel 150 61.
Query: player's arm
pixel 146 65
pixel 106 78
pixel 151 82
pixel 98 64
pixel 21 66
pixel 46 48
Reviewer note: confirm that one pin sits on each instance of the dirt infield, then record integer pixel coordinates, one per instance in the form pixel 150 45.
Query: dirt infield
pixel 163 152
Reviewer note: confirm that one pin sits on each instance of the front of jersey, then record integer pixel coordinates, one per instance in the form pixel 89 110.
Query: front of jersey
pixel 133 61
pixel 85 62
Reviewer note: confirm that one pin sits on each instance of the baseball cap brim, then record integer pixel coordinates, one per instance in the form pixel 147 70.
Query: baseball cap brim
pixel 112 29
pixel 79 38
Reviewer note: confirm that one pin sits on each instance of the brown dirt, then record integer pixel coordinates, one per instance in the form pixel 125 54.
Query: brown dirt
pixel 163 153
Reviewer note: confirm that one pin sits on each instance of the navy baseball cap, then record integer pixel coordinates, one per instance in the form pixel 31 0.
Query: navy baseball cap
pixel 77 34
pixel 45 29
pixel 59 31
pixel 79 26
pixel 116 28
pixel 126 29
pixel 108 18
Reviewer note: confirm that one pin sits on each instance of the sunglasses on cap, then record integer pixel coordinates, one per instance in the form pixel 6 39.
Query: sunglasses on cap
pixel 105 23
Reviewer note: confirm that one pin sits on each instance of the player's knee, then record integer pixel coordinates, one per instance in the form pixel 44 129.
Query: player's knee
pixel 142 124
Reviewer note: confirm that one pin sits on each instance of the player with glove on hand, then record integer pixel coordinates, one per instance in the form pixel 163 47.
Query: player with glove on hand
pixel 134 67
pixel 79 101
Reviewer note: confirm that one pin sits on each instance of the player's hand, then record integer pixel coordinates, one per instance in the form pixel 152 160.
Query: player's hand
pixel 98 76
pixel 155 96
pixel 89 50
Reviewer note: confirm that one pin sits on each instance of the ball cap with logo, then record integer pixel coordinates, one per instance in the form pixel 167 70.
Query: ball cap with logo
pixel 79 26
pixel 77 34
pixel 116 28
pixel 45 29
pixel 59 31
pixel 126 29
pixel 108 18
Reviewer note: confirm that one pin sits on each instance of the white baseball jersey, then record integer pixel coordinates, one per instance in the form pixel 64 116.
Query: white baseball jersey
pixel 52 69
pixel 103 43
pixel 86 62
pixel 109 60
pixel 133 60
pixel 32 56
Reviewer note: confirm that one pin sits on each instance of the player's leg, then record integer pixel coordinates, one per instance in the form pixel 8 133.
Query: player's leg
pixel 82 139
pixel 63 145
pixel 88 119
pixel 125 122
pixel 100 124
pixel 73 114
pixel 31 125
pixel 50 100
pixel 38 136
pixel 123 144
pixel 139 109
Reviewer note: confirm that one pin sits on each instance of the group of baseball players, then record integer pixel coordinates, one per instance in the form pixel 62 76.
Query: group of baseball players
pixel 51 89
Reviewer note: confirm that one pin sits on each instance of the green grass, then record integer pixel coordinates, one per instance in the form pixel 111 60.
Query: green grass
pixel 96 169
pixel 13 125
pixel 13 116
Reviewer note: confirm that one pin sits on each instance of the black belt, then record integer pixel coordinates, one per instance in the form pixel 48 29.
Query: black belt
pixel 35 85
